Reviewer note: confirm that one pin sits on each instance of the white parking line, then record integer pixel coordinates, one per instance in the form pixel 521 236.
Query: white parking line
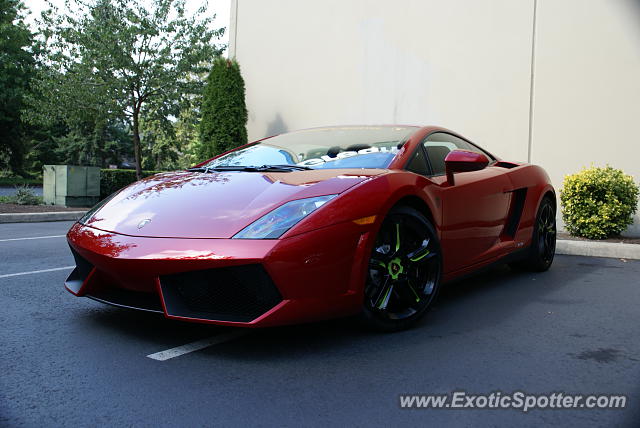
pixel 196 346
pixel 35 237
pixel 36 271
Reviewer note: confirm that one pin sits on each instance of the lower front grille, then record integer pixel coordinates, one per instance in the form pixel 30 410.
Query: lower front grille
pixel 236 293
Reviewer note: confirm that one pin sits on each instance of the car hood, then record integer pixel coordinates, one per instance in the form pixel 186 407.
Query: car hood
pixel 213 205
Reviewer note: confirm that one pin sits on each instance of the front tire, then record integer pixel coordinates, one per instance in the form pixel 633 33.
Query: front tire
pixel 404 271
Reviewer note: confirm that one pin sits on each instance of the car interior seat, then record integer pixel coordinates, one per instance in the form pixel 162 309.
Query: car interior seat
pixel 436 156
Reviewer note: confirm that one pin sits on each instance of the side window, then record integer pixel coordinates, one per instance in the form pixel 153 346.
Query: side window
pixel 418 163
pixel 439 145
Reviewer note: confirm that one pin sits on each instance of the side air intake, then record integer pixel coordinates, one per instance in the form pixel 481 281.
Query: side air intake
pixel 79 274
pixel 515 212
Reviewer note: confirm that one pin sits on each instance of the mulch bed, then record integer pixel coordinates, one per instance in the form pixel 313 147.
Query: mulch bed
pixel 15 208
pixel 615 239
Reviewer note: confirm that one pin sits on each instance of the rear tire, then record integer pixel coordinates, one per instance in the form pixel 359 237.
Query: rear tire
pixel 404 273
pixel 543 243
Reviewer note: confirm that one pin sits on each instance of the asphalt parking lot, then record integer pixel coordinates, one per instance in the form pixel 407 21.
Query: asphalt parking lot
pixel 69 361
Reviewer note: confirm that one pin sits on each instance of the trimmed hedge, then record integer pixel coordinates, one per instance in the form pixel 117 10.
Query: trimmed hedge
pixel 598 202
pixel 19 181
pixel 112 180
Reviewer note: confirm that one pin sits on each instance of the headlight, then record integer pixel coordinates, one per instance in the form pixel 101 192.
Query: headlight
pixel 89 214
pixel 275 223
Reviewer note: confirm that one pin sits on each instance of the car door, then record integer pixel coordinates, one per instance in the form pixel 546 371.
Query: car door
pixel 474 210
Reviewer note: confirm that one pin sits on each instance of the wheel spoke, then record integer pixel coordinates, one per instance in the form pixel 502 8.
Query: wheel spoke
pixel 415 294
pixel 550 218
pixel 421 252
pixel 383 298
pixel 427 256
pixel 377 264
pixel 383 249
pixel 428 288
pixel 397 237
pixel 402 295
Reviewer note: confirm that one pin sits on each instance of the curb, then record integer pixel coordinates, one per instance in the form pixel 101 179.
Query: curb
pixel 598 249
pixel 38 217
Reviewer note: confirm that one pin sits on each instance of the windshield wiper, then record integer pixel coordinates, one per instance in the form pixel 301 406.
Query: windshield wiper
pixel 287 167
pixel 246 168
pixel 220 168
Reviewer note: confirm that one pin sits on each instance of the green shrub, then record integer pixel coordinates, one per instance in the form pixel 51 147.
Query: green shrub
pixel 224 112
pixel 24 196
pixel 112 180
pixel 598 202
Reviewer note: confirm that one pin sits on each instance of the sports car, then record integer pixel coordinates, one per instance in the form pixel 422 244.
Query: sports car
pixel 315 224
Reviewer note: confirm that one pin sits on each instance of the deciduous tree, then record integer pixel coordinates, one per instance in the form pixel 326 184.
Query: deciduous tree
pixel 128 58
pixel 16 69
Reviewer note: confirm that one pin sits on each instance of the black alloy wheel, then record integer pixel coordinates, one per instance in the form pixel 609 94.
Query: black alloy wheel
pixel 543 243
pixel 404 271
pixel 546 228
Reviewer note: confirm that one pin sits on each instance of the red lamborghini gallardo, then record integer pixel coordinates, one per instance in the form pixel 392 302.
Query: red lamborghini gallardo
pixel 315 224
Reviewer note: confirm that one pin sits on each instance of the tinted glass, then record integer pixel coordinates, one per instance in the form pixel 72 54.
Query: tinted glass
pixel 418 163
pixel 336 147
pixel 439 145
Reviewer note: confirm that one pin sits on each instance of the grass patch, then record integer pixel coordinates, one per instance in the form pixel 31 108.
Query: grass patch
pixel 37 200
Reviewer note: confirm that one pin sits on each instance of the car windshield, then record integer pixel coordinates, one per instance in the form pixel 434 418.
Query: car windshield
pixel 318 148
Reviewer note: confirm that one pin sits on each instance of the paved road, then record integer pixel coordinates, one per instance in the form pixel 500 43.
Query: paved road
pixel 11 190
pixel 69 361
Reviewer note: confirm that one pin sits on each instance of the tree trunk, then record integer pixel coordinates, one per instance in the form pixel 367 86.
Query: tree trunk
pixel 136 143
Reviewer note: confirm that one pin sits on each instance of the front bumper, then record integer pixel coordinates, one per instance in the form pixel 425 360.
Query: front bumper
pixel 311 276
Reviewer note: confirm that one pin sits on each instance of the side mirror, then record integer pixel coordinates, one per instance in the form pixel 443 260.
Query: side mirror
pixel 463 161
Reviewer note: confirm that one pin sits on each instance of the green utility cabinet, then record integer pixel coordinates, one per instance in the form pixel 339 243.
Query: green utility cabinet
pixel 71 185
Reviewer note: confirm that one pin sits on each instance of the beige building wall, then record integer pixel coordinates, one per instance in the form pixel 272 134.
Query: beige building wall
pixel 553 81
pixel 586 97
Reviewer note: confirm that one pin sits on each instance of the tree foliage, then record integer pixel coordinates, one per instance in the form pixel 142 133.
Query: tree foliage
pixel 187 131
pixel 112 180
pixel 224 112
pixel 16 70
pixel 120 60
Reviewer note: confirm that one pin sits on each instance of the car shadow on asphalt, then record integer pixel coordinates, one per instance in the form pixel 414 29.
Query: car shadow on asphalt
pixel 477 302
pixel 145 327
